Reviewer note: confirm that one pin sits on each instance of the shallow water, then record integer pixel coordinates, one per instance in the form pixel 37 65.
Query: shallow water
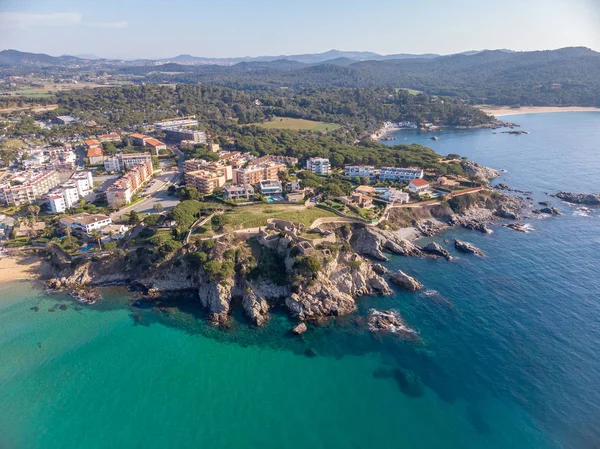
pixel 507 358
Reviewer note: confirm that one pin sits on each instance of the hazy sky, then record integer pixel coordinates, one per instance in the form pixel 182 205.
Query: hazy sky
pixel 162 28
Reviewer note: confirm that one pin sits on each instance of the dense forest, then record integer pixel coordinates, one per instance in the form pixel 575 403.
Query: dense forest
pixel 568 76
pixel 359 110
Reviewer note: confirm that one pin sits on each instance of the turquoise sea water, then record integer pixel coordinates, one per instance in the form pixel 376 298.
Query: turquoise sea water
pixel 509 354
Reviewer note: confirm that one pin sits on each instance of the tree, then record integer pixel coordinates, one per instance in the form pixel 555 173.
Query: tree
pixel 158 207
pixel 34 210
pixel 134 218
pixel 97 236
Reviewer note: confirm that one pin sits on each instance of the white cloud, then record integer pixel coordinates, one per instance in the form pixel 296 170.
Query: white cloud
pixel 27 21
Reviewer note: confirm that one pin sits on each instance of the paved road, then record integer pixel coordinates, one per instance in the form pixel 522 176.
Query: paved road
pixel 157 193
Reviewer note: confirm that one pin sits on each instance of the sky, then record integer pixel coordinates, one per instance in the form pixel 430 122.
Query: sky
pixel 228 28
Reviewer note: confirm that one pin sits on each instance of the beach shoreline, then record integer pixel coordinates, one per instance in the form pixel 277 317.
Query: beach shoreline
pixel 501 111
pixel 19 268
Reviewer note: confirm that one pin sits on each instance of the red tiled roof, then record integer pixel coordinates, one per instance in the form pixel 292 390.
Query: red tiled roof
pixel 94 152
pixel 139 136
pixel 154 142
pixel 92 143
pixel 419 182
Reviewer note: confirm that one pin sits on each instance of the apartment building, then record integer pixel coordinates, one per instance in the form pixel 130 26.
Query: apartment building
pixel 206 180
pixel 28 187
pixel 318 165
pixel 236 159
pixel 359 171
pixel 255 173
pixel 192 165
pixel 182 134
pixel 84 182
pixel 156 145
pixel 123 161
pixel 112 137
pixel 400 174
pixel 179 122
pixel 124 188
pixel 63 198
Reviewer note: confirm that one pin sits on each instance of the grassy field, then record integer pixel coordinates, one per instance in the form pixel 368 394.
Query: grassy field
pixel 13 144
pixel 410 91
pixel 254 216
pixel 297 124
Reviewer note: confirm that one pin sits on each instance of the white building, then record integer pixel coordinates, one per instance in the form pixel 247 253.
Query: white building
pixel 63 198
pixel 84 181
pixel 318 165
pixel 395 196
pixel 359 171
pixel 86 222
pixel 418 186
pixel 399 174
pixel 270 187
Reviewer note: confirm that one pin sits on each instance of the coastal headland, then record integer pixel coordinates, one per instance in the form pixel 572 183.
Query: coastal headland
pixel 500 111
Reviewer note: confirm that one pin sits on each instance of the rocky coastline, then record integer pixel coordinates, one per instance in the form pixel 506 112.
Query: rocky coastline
pixel 313 280
pixel 590 199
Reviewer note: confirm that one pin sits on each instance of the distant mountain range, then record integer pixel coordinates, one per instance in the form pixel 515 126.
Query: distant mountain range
pixel 337 57
pixel 568 76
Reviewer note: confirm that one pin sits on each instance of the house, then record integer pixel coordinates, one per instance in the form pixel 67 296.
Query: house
pixel 318 165
pixel 114 231
pixel 139 139
pixel 270 187
pixel 86 222
pixel 449 183
pixel 395 196
pixel 293 186
pixel 234 193
pixel 95 156
pixel 25 230
pixel 418 186
pixel 295 197
pixel 64 120
pixel 365 190
pixel 360 200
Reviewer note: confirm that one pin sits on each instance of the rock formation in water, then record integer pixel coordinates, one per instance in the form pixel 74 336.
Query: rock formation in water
pixel 389 321
pixel 437 250
pixel 402 279
pixel 592 199
pixel 468 248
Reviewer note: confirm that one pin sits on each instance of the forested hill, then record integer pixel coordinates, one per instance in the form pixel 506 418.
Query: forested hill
pixel 360 110
pixel 569 76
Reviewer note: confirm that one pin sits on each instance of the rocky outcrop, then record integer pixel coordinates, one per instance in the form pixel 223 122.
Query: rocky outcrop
pixel 215 297
pixel 479 171
pixel 476 219
pixel 380 269
pixel 468 248
pixel 388 321
pixel 520 227
pixel 402 279
pixel 550 211
pixel 372 242
pixel 592 199
pixel 258 297
pixel 331 293
pixel 435 249
pixel 299 329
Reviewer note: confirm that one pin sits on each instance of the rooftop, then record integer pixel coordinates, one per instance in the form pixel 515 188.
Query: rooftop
pixel 419 182
pixel 94 152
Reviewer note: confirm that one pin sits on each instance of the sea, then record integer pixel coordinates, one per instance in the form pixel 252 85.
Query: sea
pixel 507 354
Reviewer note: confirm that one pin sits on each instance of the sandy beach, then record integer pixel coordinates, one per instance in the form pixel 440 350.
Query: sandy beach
pixel 13 269
pixel 499 111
